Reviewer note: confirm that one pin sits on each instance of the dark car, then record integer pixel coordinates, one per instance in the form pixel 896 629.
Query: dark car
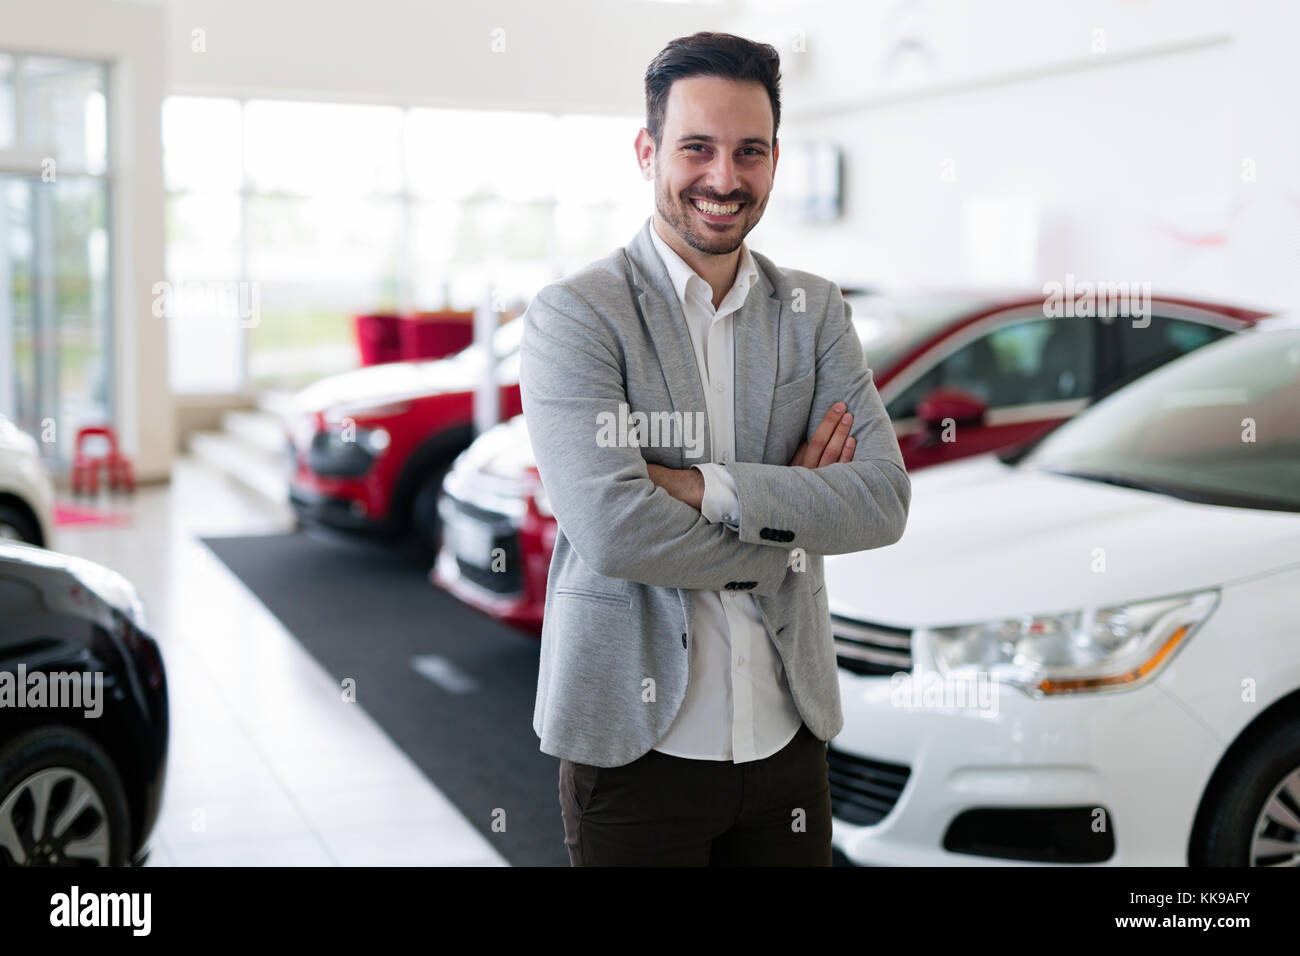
pixel 83 714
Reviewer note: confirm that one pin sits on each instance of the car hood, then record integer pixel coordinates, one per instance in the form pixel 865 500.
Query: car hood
pixel 393 382
pixel 504 449
pixel 986 541
pixel 16 441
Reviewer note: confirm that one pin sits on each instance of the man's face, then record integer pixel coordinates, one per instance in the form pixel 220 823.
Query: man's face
pixel 717 148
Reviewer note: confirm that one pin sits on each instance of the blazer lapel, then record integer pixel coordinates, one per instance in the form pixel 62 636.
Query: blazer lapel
pixel 663 315
pixel 756 328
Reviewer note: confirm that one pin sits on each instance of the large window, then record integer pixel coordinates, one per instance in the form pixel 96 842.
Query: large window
pixel 318 211
pixel 55 315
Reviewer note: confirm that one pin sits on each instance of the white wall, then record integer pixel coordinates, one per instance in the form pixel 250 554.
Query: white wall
pixel 990 143
pixel 131 36
pixel 564 55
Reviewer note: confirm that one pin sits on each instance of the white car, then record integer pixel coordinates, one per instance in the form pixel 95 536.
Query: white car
pixel 26 492
pixel 1089 652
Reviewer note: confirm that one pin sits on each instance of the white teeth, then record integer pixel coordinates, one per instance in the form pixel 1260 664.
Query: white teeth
pixel 716 209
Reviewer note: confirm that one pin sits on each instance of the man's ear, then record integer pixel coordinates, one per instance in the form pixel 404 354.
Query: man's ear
pixel 645 154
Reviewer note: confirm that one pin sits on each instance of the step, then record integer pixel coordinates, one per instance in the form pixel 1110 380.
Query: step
pixel 279 403
pixel 263 430
pixel 245 463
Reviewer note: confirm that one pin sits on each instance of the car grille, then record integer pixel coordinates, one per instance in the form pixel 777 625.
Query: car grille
pixel 863 791
pixel 871 649
pixel 509 581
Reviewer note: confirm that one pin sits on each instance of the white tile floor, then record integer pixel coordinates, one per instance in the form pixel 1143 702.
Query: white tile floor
pixel 268 765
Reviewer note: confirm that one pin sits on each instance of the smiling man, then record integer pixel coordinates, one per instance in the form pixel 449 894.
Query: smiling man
pixel 687 678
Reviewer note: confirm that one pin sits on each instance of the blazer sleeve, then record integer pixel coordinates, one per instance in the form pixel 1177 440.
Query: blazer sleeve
pixel 846 506
pixel 618 521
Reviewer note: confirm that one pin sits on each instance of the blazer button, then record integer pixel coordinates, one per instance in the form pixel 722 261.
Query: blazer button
pixel 683 640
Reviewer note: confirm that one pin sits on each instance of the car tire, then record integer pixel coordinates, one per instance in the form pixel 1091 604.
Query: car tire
pixel 17 526
pixel 1237 810
pixel 426 523
pixel 58 765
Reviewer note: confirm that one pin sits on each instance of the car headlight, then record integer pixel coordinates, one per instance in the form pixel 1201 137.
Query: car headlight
pixel 376 440
pixel 1096 649
pixel 110 587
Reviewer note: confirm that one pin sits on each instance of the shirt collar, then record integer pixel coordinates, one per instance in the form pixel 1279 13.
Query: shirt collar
pixel 681 274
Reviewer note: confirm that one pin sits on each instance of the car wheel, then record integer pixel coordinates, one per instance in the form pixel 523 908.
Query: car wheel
pixel 16 526
pixel 426 522
pixel 1254 818
pixel 61 803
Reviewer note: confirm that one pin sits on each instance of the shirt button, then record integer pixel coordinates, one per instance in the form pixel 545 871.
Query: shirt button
pixel 740 660
pixel 726 517
pixel 719 387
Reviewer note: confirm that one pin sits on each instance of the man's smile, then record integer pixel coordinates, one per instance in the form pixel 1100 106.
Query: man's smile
pixel 717 212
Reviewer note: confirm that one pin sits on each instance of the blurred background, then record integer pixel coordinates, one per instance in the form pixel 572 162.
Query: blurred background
pixel 261 263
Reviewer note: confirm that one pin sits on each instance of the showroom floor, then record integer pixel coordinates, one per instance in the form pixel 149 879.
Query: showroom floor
pixel 268 765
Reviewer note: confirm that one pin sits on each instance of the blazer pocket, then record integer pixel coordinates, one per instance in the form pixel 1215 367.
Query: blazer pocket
pixel 791 392
pixel 590 594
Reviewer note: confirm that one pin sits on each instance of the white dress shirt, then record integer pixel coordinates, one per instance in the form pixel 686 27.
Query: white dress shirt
pixel 738 704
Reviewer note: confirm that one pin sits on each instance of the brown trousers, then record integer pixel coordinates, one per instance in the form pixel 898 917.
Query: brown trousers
pixel 661 810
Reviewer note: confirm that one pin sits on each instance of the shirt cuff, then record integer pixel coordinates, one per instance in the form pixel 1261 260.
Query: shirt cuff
pixel 720 504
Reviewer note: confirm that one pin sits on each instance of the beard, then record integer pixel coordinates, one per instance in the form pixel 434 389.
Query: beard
pixel 680 213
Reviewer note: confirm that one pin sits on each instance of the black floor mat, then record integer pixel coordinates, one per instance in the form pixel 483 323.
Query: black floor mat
pixel 366 611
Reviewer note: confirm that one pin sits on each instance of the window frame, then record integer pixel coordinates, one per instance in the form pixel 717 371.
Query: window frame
pixel 25 162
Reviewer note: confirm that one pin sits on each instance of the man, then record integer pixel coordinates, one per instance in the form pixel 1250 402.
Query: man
pixel 706 428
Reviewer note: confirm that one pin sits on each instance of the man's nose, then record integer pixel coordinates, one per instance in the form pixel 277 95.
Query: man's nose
pixel 722 178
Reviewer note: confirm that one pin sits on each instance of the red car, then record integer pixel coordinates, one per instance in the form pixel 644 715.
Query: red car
pixel 960 374
pixel 368 448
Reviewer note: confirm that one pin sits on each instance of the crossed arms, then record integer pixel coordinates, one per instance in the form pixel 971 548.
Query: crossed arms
pixel 627 519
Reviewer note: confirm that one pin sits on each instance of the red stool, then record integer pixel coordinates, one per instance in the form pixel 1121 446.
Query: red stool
pixel 85 466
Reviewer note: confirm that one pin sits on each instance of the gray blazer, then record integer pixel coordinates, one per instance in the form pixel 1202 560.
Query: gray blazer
pixel 618 621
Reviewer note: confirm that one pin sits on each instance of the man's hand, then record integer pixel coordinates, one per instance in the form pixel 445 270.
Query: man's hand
pixel 830 443
pixel 684 484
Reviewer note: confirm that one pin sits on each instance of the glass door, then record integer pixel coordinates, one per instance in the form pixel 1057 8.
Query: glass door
pixel 55 315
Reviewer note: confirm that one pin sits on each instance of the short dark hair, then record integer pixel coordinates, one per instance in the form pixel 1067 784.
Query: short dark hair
pixel 710 54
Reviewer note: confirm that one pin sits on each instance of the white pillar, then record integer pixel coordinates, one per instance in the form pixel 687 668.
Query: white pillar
pixel 487 407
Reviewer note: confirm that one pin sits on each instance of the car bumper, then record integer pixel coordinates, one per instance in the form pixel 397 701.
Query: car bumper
pixel 491 556
pixel 1133 763
pixel 347 514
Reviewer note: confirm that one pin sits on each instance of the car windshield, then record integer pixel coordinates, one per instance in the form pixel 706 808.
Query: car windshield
pixel 1220 425
pixel 890 326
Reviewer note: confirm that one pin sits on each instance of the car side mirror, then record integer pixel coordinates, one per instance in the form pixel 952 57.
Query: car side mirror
pixel 946 403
